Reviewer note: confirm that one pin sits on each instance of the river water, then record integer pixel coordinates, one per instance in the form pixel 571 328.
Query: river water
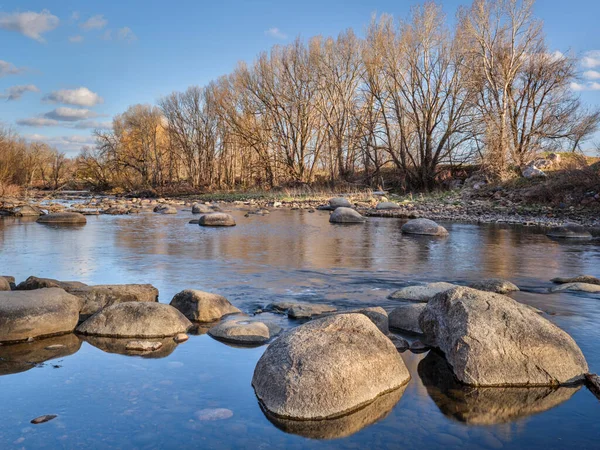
pixel 177 399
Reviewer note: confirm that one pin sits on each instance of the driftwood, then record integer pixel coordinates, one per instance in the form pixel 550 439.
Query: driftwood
pixel 592 381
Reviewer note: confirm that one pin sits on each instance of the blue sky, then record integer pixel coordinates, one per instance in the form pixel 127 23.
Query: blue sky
pixel 67 66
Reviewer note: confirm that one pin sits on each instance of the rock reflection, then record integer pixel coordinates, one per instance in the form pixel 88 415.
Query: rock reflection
pixel 119 346
pixel 16 358
pixel 485 406
pixel 342 426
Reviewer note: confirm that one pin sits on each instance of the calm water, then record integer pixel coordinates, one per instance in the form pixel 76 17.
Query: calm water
pixel 109 400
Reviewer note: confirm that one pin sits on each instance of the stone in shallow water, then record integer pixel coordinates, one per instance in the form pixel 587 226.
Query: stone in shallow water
pixel 241 332
pixel 214 414
pixel 418 347
pixel 32 283
pixel 424 227
pixel 421 292
pixel 181 337
pixel 491 340
pixel 485 405
pixel 199 208
pixel 216 219
pixel 345 215
pixel 578 279
pixel 63 218
pixel 43 419
pixel 569 231
pixel 201 306
pixel 406 317
pixel 143 346
pixel 496 285
pixel 400 343
pixel 338 202
pixel 100 296
pixel 577 287
pixel 382 206
pixel 299 310
pixel 120 346
pixel 327 368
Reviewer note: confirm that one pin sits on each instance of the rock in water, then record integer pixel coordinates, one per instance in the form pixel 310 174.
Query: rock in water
pixel 569 231
pixel 202 306
pixel 100 296
pixel 165 209
pixel 339 202
pixel 406 317
pixel 579 279
pixel 42 312
pixel 345 215
pixel 136 320
pixel 32 283
pixel 214 414
pixel 28 211
pixel 143 346
pixel 327 367
pixel 43 419
pixel 592 382
pixel 63 218
pixel 494 285
pixel 217 220
pixel 384 206
pixel 181 337
pixel 4 284
pixel 424 227
pixel 199 208
pixel 421 292
pixel 241 332
pixel 491 340
pixel 578 287
pixel 298 310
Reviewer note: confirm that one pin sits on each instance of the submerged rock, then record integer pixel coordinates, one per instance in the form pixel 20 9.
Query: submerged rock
pixel 298 310
pixel 216 219
pixel 214 414
pixel 32 283
pixel 491 340
pixel 424 227
pixel 569 231
pixel 165 209
pixel 136 320
pixel 44 418
pixel 100 296
pixel 345 215
pixel 63 218
pixel 143 346
pixel 588 279
pixel 485 405
pixel 421 292
pixel 406 317
pixel 181 337
pixel 496 285
pixel 199 208
pixel 241 332
pixel 577 287
pixel 327 368
pixel 121 346
pixel 202 306
pixel 31 314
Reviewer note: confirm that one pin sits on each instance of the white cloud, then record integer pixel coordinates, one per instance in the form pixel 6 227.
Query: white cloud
pixel 7 68
pixel 591 75
pixel 30 23
pixel 591 59
pixel 79 125
pixel 276 33
pixel 38 122
pixel 16 92
pixel 75 15
pixel 76 39
pixel 93 124
pixel 68 144
pixel 81 96
pixel 588 86
pixel 94 23
pixel 126 34
pixel 70 114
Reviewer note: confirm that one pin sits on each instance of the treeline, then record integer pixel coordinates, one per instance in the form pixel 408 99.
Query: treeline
pixel 417 96
pixel 25 164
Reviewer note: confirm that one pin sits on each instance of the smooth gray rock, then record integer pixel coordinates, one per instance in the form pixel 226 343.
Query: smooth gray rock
pixel 136 320
pixel 165 209
pixel 491 340
pixel 32 314
pixel 327 368
pixel 241 332
pixel 424 227
pixel 578 279
pixel 406 317
pixel 299 310
pixel 383 206
pixel 202 306
pixel 533 172
pixel 376 314
pixel 339 202
pixel 115 211
pixel 577 287
pixel 27 211
pixel 345 215
pixel 216 219
pixel 32 283
pixel 496 285
pixel 63 218
pixel 421 292
pixel 569 231
pixel 100 296
pixel 199 208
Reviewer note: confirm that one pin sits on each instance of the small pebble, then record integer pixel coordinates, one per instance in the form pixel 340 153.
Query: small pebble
pixel 181 337
pixel 44 418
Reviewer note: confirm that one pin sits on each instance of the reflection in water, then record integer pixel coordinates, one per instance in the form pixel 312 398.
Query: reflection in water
pixel 114 345
pixel 485 406
pixel 340 426
pixel 15 358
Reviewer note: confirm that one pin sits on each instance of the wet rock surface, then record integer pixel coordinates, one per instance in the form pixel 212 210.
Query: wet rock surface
pixel 421 292
pixel 496 285
pixel 216 219
pixel 241 332
pixel 345 215
pixel 63 218
pixel 406 317
pixel 96 297
pixel 200 306
pixel 424 227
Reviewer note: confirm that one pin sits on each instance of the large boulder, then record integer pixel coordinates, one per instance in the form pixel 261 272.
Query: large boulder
pixel 491 340
pixel 199 208
pixel 136 320
pixel 100 296
pixel 327 368
pixel 216 219
pixel 421 292
pixel 32 283
pixel 406 317
pixel 578 279
pixel 424 227
pixel 66 218
pixel 577 287
pixel 11 281
pixel 242 332
pixel 569 231
pixel 345 215
pixel 339 202
pixel 4 284
pixel 31 314
pixel 496 285
pixel 200 306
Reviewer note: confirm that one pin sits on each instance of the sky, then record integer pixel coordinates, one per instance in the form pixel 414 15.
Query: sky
pixel 67 67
